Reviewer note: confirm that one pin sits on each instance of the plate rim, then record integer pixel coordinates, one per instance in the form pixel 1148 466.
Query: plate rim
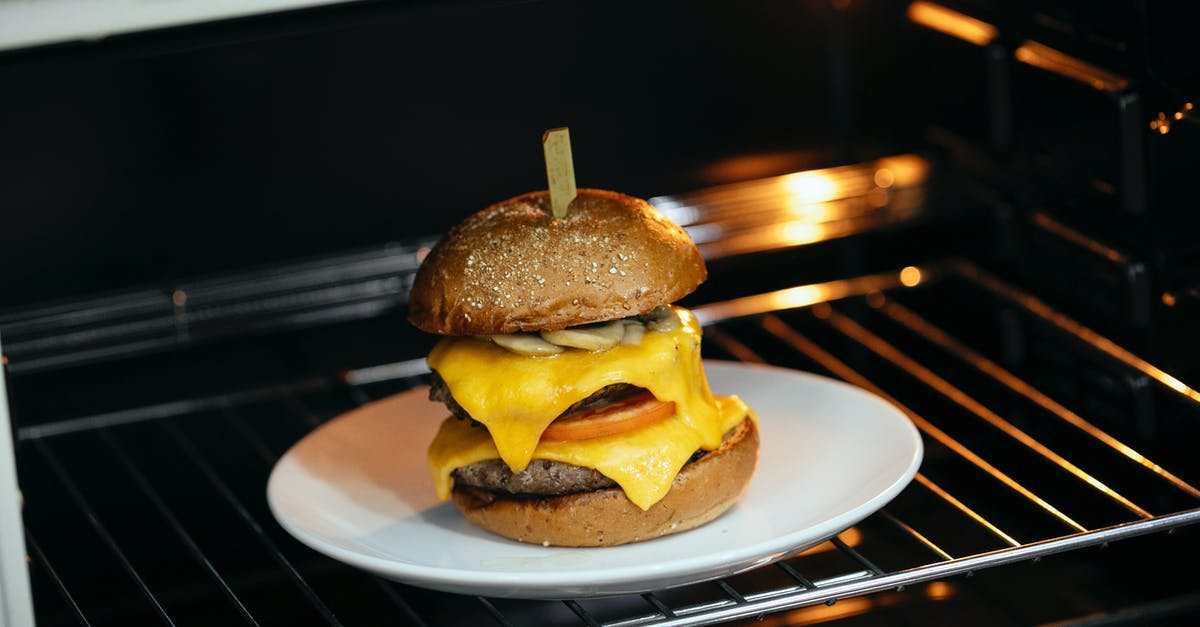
pixel 614 580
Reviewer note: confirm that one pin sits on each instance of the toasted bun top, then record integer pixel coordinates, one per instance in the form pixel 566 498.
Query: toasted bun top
pixel 515 267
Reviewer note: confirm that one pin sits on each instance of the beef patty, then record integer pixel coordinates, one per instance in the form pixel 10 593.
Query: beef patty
pixel 541 477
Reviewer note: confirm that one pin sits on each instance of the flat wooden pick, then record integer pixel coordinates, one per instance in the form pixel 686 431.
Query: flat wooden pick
pixel 560 169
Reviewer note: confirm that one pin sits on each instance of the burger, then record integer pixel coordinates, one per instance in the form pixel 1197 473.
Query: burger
pixel 581 415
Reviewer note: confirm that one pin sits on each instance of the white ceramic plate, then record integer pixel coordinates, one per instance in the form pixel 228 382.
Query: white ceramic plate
pixel 358 489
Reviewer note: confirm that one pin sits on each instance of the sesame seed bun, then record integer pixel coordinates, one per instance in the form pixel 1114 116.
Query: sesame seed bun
pixel 514 267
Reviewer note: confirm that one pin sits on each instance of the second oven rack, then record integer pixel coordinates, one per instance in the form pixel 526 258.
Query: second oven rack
pixel 964 512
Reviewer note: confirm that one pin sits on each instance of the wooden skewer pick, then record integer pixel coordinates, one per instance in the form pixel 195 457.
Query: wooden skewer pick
pixel 560 169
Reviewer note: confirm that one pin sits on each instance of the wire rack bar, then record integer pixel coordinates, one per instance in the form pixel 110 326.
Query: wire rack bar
pixel 582 613
pixel 736 605
pixel 915 323
pixel 856 556
pixel 100 529
pixel 209 473
pixel 270 457
pixel 173 522
pixel 908 529
pixel 1039 308
pixel 730 592
pixel 962 507
pixel 39 558
pixel 780 329
pixel 939 570
pixel 777 327
pixel 848 327
pixel 494 612
pixel 804 582
pixel 166 410
pixel 658 604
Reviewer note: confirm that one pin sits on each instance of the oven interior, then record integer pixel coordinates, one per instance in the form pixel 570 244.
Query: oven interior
pixel 979 211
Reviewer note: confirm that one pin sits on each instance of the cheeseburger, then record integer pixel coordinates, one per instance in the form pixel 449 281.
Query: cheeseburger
pixel 581 413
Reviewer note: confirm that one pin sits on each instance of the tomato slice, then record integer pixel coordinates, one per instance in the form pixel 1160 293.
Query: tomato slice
pixel 624 415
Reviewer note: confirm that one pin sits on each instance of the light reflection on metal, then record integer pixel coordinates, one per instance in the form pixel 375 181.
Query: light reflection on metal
pixel 919 325
pixel 820 613
pixel 1079 239
pixel 1046 58
pixel 800 208
pixel 837 367
pixel 953 23
pixel 1037 307
pixel 810 187
pixel 962 507
pixel 910 276
pixel 881 347
pixel 916 534
pixel 804 295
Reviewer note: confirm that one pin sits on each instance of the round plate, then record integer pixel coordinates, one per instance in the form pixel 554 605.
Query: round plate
pixel 358 489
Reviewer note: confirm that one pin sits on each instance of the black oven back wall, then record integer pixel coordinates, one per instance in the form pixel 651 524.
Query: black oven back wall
pixel 143 159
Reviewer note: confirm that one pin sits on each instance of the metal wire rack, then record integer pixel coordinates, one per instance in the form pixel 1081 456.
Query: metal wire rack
pixel 1035 436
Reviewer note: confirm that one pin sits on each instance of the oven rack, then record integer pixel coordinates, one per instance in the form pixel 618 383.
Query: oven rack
pixel 853 329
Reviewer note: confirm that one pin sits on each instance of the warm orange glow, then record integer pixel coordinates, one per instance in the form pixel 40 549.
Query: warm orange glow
pixel 1159 122
pixel 939 591
pixel 1079 239
pixel 852 537
pixel 1047 58
pixel 1168 299
pixel 910 276
pixel 813 294
pixel 801 232
pixel 817 614
pixel 952 23
pixel 179 298
pixel 811 187
pixel 905 170
pixel 802 207
pixel 3 360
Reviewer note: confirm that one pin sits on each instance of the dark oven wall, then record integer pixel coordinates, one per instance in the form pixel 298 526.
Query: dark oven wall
pixel 147 158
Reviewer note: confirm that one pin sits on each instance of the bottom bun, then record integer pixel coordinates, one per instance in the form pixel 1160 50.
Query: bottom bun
pixel 702 490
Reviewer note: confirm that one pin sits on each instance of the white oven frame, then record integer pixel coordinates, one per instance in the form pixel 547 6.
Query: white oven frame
pixel 16 600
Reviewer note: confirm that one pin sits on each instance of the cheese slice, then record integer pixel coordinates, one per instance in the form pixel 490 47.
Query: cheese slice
pixel 516 396
pixel 643 461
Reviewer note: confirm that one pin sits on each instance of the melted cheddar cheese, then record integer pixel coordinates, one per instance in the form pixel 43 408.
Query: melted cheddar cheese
pixel 516 397
pixel 643 461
